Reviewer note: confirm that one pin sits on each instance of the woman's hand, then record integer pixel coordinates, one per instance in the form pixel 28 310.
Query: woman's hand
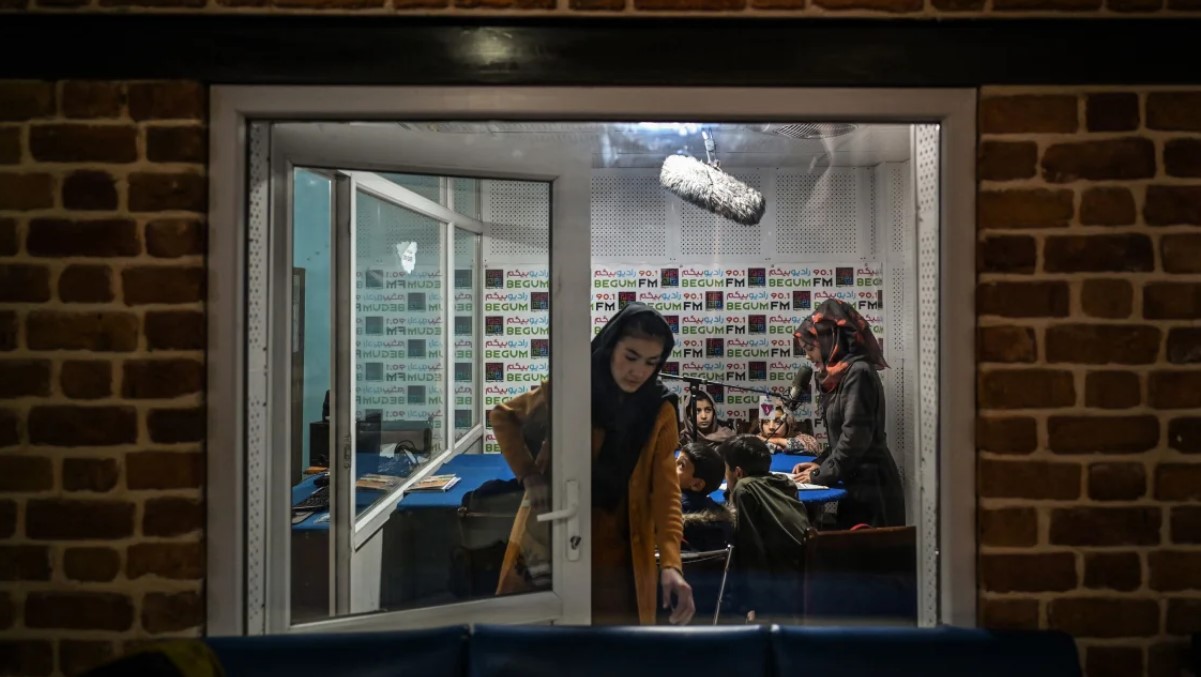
pixel 803 472
pixel 677 595
pixel 538 491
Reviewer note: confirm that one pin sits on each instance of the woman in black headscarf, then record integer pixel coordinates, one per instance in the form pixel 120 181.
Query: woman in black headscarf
pixel 840 344
pixel 635 490
pixel 708 428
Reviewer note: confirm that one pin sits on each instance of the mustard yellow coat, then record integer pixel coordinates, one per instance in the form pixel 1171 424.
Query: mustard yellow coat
pixel 656 517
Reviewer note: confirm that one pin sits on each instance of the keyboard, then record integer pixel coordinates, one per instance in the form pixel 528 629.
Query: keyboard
pixel 319 500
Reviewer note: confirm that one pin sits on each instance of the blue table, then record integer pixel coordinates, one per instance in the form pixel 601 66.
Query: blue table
pixel 785 463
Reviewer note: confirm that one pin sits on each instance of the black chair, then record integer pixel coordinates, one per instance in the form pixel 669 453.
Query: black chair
pixel 485 520
pixel 865 574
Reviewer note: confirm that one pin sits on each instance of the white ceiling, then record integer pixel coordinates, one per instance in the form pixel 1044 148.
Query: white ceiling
pixel 625 145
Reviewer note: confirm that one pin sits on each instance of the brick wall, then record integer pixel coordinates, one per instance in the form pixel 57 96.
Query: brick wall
pixel 102 331
pixel 1090 369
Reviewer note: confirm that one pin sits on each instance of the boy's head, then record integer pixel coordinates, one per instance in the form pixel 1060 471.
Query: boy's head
pixel 745 456
pixel 699 468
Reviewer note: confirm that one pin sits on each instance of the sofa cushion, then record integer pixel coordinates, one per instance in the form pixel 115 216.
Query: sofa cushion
pixel 507 651
pixel 433 653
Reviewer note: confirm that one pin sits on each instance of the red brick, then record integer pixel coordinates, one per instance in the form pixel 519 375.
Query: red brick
pixel 1102 434
pixel 1182 157
pixel 1170 205
pixel 78 611
pixel 1178 481
pixel 8 616
pixel 1024 208
pixel 76 657
pixel 22 192
pixel 69 425
pixel 91 564
pixel 893 6
pixel 177 144
pixel 1029 479
pixel 88 99
pixel 157 379
pixel 1174 111
pixel 175 330
pixel 1098 253
pixel 1111 112
pixel 1113 570
pixel 163 612
pixel 1028 573
pixel 95 331
pixel 1112 160
pixel 1026 389
pixel 1112 390
pixel 58 519
pixel 26 656
pixel 89 189
pixel 1186 524
pixel 172 516
pixel 1184 435
pixel 371 4
pixel 22 100
pixel 1009 614
pixel 24 563
pixel 1009 527
pixel 434 4
pixel 1046 5
pixel 1102 344
pixel 89 474
pixel 1184 345
pixel 21 378
pixel 83 283
pixel 1172 300
pixel 1105 526
pixel 1168 659
pixel 1173 570
pixel 93 237
pixel 1113 661
pixel 10 423
pixel 1110 299
pixel 163 284
pixel 8 519
pixel 180 561
pixel 1175 389
pixel 1134 5
pixel 8 237
pixel 1184 616
pixel 21 282
pixel 1107 206
pixel 1005 344
pixel 1023 299
pixel 167 100
pixel 164 470
pixel 1027 113
pixel 25 473
pixel 10 145
pixel 73 142
pixel 156 192
pixel 757 4
pixel 1007 435
pixel 1181 253
pixel 1104 617
pixel 1116 481
pixel 8 330
pixel 172 238
pixel 1006 254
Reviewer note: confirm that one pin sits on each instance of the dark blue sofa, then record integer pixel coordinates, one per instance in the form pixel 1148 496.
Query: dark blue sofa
pixel 525 651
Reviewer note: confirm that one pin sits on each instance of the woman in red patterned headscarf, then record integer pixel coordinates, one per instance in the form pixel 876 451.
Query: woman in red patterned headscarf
pixel 846 354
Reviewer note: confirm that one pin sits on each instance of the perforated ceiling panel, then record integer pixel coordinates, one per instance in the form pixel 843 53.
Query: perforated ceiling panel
pixel 519 212
pixel 818 213
pixel 629 214
pixel 705 234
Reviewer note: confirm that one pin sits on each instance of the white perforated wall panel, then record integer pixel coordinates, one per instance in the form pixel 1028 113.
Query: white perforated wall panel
pixel 257 415
pixel 466 196
pixel 818 213
pixel 628 211
pixel 519 212
pixel 926 149
pixel 708 235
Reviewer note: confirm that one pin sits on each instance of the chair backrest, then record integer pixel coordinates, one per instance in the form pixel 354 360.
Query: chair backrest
pixel 865 573
pixel 707 573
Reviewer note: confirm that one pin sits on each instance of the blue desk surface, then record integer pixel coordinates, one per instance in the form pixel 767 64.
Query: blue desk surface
pixel 475 469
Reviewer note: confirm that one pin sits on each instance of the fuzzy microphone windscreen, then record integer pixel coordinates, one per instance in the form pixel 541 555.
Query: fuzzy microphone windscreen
pixel 711 189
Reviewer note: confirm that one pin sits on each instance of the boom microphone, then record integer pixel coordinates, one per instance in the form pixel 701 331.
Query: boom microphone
pixel 708 187
pixel 800 382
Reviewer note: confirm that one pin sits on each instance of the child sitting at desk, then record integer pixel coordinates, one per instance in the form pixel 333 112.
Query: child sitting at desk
pixel 782 433
pixel 707 524
pixel 769 534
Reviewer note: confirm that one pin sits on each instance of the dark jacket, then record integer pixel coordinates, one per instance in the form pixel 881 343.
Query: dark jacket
pixel 858 455
pixel 769 543
pixel 708 525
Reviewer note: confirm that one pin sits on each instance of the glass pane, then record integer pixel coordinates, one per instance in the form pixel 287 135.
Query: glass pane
pixel 400 338
pixel 466 193
pixel 466 331
pixel 427 186
pixel 311 382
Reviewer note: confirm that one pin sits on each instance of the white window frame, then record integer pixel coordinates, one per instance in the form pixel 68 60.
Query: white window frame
pixel 232 107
